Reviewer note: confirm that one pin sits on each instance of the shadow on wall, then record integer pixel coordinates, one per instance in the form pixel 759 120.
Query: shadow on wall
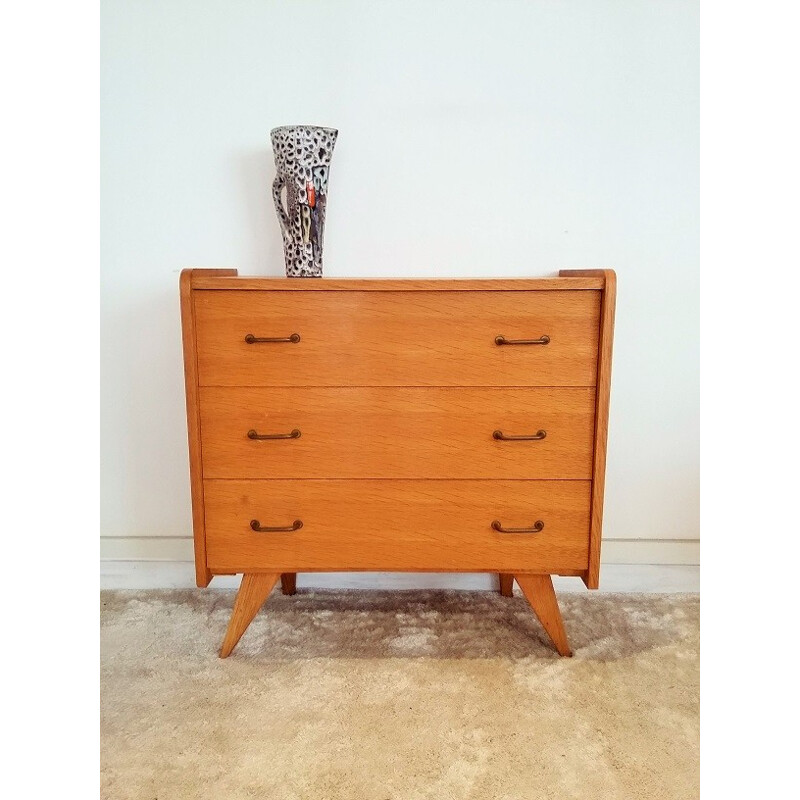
pixel 264 247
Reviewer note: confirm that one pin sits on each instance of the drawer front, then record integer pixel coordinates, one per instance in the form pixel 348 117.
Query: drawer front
pixel 397 338
pixel 397 525
pixel 396 432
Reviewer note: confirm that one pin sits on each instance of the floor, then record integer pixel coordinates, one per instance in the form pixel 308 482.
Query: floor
pixel 365 695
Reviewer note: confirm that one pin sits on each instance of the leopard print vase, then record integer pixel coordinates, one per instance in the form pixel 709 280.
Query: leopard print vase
pixel 302 159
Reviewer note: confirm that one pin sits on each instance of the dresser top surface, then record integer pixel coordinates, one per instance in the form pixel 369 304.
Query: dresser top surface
pixel 228 279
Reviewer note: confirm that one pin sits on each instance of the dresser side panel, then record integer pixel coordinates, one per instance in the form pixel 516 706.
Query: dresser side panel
pixel 202 573
pixel 604 355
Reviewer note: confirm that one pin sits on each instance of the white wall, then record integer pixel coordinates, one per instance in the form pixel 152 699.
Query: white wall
pixel 475 139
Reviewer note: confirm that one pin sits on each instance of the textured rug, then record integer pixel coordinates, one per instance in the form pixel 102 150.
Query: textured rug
pixel 346 695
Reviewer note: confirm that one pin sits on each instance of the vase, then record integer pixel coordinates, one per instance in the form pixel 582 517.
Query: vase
pixel 302 161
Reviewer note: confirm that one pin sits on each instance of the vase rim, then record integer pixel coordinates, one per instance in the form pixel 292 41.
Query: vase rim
pixel 313 127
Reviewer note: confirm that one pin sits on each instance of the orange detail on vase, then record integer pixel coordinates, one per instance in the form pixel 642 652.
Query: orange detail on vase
pixel 312 194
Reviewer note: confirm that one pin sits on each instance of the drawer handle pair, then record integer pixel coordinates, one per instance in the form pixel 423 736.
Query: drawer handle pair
pixel 257 526
pixel 295 338
pixel 250 339
pixel 537 526
pixel 498 340
pixel 504 437
pixel 298 523
pixel 499 435
pixel 295 434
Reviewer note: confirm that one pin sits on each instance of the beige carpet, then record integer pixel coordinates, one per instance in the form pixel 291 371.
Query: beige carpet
pixel 343 695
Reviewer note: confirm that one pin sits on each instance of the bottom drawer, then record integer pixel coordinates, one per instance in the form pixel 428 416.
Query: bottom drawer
pixel 397 525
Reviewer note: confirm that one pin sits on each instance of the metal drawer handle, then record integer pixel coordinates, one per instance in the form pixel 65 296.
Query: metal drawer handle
pixel 504 437
pixel 502 340
pixel 250 339
pixel 295 526
pixel 537 526
pixel 295 434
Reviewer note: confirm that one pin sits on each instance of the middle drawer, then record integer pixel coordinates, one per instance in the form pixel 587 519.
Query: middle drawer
pixel 405 432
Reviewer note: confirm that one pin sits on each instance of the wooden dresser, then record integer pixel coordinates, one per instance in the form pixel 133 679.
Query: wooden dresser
pixel 409 425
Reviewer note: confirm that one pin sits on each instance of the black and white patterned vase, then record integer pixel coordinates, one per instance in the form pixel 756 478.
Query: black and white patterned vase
pixel 303 160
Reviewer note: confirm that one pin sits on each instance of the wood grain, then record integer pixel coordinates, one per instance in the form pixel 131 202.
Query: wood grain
pixel 397 432
pixel 539 592
pixel 202 573
pixel 289 582
pixel 605 351
pixel 397 525
pixel 359 338
pixel 253 591
pixel 208 279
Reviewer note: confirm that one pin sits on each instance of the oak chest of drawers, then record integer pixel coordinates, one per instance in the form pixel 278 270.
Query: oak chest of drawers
pixel 410 425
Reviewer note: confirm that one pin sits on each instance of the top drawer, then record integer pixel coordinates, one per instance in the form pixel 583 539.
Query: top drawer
pixel 437 338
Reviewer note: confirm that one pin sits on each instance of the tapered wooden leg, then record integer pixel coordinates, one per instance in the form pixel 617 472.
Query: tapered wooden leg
pixel 253 592
pixel 289 582
pixel 506 584
pixel 538 590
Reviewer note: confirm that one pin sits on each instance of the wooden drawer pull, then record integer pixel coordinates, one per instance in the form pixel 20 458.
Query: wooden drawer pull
pixel 504 437
pixel 295 434
pixel 537 526
pixel 257 526
pixel 502 340
pixel 250 339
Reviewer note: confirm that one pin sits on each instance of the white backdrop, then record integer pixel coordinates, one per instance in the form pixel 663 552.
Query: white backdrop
pixel 476 139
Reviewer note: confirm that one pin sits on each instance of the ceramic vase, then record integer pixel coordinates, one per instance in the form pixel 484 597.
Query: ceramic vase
pixel 302 160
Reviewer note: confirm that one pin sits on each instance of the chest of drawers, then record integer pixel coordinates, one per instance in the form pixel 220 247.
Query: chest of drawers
pixel 412 425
